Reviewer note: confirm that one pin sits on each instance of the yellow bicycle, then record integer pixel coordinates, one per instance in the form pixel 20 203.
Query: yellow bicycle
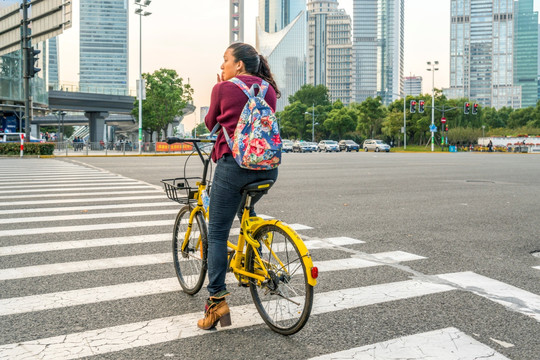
pixel 269 256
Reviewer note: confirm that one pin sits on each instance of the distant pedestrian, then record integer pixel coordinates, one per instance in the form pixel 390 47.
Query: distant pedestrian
pixel 490 146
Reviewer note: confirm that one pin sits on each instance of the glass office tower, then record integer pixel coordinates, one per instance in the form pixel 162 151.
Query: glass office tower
pixel 526 51
pixel 281 38
pixel 53 64
pixel 365 49
pixel 390 34
pixel 104 46
pixel 330 59
pixel 481 53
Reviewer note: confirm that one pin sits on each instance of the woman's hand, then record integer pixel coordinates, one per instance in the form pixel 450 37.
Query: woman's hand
pixel 220 78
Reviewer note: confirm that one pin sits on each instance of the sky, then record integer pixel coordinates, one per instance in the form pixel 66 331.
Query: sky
pixel 191 37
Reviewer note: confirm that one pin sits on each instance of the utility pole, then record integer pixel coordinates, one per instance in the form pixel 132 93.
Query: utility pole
pixel 26 66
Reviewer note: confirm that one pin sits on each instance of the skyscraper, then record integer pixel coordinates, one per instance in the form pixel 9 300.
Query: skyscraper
pixel 53 64
pixel 103 53
pixel 330 49
pixel 364 49
pixel 412 85
pixel 481 52
pixel 526 51
pixel 390 34
pixel 281 38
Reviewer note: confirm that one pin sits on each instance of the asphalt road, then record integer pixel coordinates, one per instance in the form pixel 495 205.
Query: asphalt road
pixel 472 217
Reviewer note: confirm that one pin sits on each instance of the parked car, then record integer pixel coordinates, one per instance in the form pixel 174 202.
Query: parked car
pixel 376 145
pixel 348 145
pixel 286 145
pixel 328 145
pixel 16 137
pixel 301 146
pixel 312 145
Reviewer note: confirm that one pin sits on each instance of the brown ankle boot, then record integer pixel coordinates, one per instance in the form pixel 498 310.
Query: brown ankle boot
pixel 216 310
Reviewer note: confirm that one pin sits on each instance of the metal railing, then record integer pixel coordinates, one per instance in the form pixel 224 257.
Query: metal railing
pixel 102 148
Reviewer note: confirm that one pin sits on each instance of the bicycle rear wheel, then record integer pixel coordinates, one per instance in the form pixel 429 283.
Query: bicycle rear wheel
pixel 190 262
pixel 285 298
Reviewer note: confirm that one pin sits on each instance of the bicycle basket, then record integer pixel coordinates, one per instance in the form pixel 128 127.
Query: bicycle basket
pixel 182 190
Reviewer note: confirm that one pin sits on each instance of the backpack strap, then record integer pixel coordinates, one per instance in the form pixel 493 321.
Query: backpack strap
pixel 250 92
pixel 242 86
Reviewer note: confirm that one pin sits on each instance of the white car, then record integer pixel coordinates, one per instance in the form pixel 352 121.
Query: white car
pixel 328 145
pixel 286 145
pixel 376 145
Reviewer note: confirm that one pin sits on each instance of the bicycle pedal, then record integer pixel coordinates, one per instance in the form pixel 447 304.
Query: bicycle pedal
pixel 243 284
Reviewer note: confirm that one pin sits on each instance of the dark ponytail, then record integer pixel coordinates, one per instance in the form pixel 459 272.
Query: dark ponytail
pixel 255 64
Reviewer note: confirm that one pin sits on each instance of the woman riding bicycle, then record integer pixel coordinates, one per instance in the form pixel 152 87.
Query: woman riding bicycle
pixel 227 102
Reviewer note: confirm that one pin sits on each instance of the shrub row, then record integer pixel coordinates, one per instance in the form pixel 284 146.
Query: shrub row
pixel 29 148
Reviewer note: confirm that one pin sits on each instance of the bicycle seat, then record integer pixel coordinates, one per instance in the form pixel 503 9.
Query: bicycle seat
pixel 258 186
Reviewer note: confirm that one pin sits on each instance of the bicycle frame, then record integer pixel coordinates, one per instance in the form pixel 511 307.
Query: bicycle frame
pixel 249 225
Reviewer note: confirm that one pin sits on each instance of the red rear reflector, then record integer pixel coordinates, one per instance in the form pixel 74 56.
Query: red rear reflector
pixel 314 272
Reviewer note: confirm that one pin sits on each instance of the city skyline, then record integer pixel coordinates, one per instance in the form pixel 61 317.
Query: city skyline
pixel 202 29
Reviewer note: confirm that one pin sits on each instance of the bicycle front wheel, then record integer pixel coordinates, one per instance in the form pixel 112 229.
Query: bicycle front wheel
pixel 190 262
pixel 285 298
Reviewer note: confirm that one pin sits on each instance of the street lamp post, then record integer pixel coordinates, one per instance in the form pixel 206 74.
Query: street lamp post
pixel 432 69
pixel 312 122
pixel 141 13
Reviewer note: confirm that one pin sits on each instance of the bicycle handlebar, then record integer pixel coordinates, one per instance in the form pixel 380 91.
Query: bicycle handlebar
pixel 174 140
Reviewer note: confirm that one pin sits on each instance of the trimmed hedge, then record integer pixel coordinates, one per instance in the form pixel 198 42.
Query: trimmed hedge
pixel 29 148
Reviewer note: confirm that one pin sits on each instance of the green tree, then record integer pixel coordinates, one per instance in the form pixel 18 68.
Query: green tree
pixel 371 113
pixel 521 117
pixel 392 124
pixel 310 95
pixel 292 121
pixel 166 98
pixel 199 130
pixel 340 119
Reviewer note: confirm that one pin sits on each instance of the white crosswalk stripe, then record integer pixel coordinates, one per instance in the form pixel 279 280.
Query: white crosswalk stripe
pixel 116 292
pixel 447 344
pixel 50 183
pixel 157 331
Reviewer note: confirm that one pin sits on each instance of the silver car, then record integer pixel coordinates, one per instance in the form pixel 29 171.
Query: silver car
pixel 376 145
pixel 328 145
pixel 286 145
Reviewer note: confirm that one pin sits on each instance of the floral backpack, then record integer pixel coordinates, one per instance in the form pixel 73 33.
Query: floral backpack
pixel 256 144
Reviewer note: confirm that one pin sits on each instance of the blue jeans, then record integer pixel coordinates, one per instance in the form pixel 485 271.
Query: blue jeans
pixel 225 203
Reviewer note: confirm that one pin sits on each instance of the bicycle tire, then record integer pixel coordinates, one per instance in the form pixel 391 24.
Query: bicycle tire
pixel 281 315
pixel 190 265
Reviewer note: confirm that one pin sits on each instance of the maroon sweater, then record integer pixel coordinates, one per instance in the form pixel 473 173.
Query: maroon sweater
pixel 226 105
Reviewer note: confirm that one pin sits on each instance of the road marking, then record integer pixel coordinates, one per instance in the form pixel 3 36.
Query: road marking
pixel 63 194
pixel 65 179
pixel 81 200
pixel 123 291
pixel 67 189
pixel 77 217
pixel 87 208
pixel 511 297
pixel 66 186
pixel 447 344
pixel 156 331
pixel 536 267
pixel 83 228
pixel 355 263
pixel 140 260
pixel 343 239
pixel 81 244
pixel 125 240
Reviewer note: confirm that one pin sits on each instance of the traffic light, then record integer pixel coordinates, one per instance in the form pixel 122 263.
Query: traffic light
pixel 466 108
pixel 475 109
pixel 421 106
pixel 413 106
pixel 32 59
